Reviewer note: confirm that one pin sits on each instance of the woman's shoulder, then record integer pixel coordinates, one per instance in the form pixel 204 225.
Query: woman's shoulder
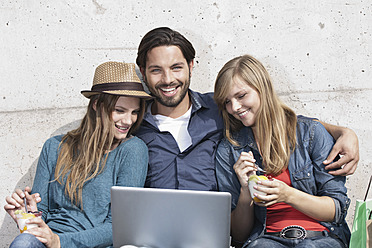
pixel 224 144
pixel 242 137
pixel 132 150
pixel 310 121
pixel 54 141
pixel 305 120
pixel 133 143
pixel 311 130
pixel 308 124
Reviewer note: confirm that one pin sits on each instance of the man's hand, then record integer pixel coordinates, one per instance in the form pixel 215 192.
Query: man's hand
pixel 348 147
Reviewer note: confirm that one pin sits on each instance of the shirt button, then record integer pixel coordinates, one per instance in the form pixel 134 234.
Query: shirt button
pixel 332 228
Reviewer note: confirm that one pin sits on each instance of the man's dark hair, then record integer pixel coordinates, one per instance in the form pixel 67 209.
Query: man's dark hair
pixel 163 36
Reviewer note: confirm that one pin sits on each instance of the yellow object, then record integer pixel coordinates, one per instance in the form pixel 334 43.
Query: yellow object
pixel 22 217
pixel 257 178
pixel 27 216
pixel 24 229
pixel 252 181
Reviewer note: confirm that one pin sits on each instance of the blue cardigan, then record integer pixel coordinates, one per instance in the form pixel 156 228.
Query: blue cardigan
pixel 126 166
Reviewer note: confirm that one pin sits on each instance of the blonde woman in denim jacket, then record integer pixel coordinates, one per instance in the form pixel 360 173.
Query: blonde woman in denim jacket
pixel 305 206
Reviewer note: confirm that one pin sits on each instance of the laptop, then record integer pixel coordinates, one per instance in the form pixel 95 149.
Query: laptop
pixel 169 218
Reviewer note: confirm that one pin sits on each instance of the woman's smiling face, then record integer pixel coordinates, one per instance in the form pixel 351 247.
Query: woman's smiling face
pixel 125 115
pixel 243 102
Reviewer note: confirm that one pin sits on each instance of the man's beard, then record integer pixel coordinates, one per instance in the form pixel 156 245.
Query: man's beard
pixel 170 101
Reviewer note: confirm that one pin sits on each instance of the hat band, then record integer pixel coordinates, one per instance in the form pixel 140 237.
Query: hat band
pixel 118 86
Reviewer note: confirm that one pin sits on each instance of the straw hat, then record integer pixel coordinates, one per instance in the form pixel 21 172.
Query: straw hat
pixel 116 78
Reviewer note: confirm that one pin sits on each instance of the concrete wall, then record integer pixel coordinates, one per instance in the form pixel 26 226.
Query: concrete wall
pixel 318 52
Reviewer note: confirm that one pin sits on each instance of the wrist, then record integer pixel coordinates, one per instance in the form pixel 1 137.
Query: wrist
pixel 344 131
pixel 244 190
pixel 245 195
pixel 57 241
pixel 290 195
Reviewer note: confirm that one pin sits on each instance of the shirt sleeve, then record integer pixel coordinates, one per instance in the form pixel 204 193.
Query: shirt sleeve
pixel 43 175
pixel 133 169
pixel 133 164
pixel 100 236
pixel 226 178
pixel 327 184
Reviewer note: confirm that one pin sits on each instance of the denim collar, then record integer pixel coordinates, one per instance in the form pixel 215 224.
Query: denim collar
pixel 245 138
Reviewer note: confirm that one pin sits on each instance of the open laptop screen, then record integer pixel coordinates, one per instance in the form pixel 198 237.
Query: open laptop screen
pixel 168 218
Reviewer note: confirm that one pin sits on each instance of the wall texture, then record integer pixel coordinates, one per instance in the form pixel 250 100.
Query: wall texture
pixel 318 53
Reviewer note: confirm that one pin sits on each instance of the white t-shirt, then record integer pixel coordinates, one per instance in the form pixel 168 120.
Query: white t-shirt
pixel 176 126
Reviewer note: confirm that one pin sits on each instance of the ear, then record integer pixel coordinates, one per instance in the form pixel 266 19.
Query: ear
pixel 142 70
pixel 95 105
pixel 191 65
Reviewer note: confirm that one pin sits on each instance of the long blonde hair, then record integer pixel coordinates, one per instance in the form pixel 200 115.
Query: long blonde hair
pixel 82 150
pixel 275 122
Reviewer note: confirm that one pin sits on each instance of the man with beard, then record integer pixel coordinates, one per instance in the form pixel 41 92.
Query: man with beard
pixel 182 127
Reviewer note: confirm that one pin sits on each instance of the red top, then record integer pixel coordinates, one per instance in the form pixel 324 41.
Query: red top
pixel 280 215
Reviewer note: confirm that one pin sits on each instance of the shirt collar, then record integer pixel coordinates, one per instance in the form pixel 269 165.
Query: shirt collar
pixel 245 138
pixel 197 101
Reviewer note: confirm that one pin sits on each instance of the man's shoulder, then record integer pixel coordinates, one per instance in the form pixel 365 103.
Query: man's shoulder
pixel 203 94
pixel 205 99
pixel 206 95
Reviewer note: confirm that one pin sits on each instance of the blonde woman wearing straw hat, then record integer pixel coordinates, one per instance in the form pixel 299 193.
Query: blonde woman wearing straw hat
pixel 76 171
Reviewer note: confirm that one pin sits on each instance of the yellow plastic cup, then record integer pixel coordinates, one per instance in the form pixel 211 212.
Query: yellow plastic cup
pixel 22 217
pixel 252 181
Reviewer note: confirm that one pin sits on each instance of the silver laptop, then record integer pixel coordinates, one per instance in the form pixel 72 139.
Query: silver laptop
pixel 167 218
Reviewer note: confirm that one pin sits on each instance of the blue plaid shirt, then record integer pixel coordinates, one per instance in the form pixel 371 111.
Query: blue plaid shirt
pixel 194 168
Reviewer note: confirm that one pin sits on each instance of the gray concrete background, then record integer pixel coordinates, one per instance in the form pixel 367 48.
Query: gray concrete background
pixel 318 53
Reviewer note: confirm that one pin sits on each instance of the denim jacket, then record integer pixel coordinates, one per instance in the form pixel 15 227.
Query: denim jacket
pixel 306 170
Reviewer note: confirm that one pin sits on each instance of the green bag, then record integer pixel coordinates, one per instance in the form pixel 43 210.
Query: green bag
pixel 361 235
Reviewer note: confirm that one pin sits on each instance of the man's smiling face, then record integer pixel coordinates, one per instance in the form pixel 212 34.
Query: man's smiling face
pixel 167 75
